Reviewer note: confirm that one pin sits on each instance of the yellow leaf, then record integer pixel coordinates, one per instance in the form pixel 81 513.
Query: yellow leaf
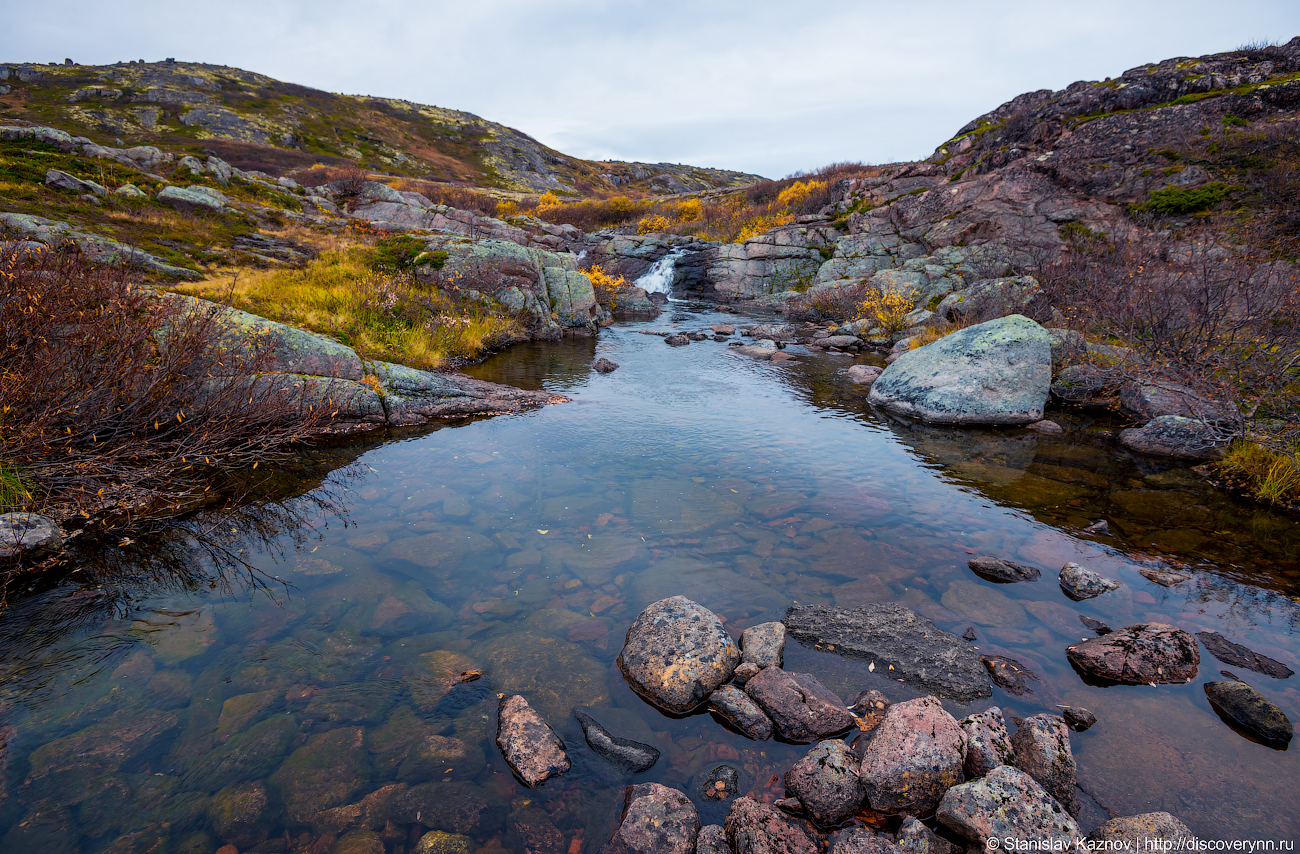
pixel 543 530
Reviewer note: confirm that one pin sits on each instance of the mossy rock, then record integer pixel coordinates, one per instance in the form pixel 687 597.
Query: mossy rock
pixel 553 675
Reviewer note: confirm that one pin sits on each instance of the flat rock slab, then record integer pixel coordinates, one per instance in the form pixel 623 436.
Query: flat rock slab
pixel 1006 802
pixel 801 708
pixel 1002 571
pixel 922 654
pixel 530 747
pixel 826 782
pixel 656 820
pixel 677 654
pixel 1080 583
pixel 756 828
pixel 1139 654
pixel 736 708
pixel 1251 711
pixel 1137 830
pixel 1240 656
pixel 1041 748
pixel 916 755
pixel 629 755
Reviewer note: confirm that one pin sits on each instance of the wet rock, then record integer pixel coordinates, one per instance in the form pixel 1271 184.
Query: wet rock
pixel 371 812
pixel 870 707
pixel 890 635
pixel 1139 831
pixel 1164 579
pixel 916 838
pixel 1240 656
pixel 441 842
pixel 1138 654
pixel 358 842
pixel 1080 583
pixel 1006 802
pixel 28 534
pixel 554 674
pixel 632 756
pixel 763 644
pixel 364 702
pixel 656 820
pixel 678 340
pixel 760 350
pixel 1002 571
pixel 455 807
pixel 826 782
pixel 864 374
pixel 439 757
pixel 530 747
pixel 1177 437
pixel 1046 426
pixel 408 610
pixel 1010 674
pixel 736 708
pixel 983 604
pixel 247 756
pixel 801 708
pixel 1079 719
pixel 325 772
pixel 677 654
pixel 862 840
pixel 916 755
pixel 69 768
pixel 1096 626
pixel 712 839
pixel 1041 748
pixel 988 744
pixel 1249 710
pixel 436 674
pixel 723 783
pixel 604 366
pixel 243 815
pixel 744 672
pixel 756 828
pixel 1101 528
pixel 534 831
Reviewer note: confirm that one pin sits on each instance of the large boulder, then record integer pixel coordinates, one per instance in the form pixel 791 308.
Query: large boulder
pixel 677 654
pixel 195 199
pixel 528 744
pixel 1006 804
pixel 826 782
pixel 916 755
pixel 656 820
pixel 1041 748
pixel 921 654
pixel 63 181
pixel 757 828
pixel 801 708
pixel 1139 654
pixel 996 373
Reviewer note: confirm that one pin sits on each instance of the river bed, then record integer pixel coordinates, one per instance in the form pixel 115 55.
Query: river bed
pixel 523 546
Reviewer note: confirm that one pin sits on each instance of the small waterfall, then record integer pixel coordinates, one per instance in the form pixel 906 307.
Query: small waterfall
pixel 659 278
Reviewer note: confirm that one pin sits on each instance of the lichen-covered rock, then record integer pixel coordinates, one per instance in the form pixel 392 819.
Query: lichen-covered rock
pixel 1040 747
pixel 917 753
pixel 826 782
pixel 712 839
pixel 756 828
pixel 1251 711
pixel 630 755
pixel 530 747
pixel 916 838
pixel 1139 654
pixel 441 842
pixel 1139 830
pixel 800 707
pixel 988 744
pixel 763 644
pixel 194 199
pixel 677 654
pixel 736 708
pixel 1080 583
pixel 996 373
pixel 1006 803
pixel 63 181
pixel 28 534
pixel 863 840
pixel 1177 437
pixel 656 820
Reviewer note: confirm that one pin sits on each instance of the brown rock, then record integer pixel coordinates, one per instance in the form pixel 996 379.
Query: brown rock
pixel 1142 653
pixel 656 820
pixel 530 747
pixel 826 782
pixel 916 755
pixel 756 828
pixel 988 744
pixel 801 708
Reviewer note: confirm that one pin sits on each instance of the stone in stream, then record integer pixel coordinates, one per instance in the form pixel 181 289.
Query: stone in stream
pixel 1080 583
pixel 438 842
pixel 826 783
pixel 745 671
pixel 624 752
pixel 801 708
pixel 243 815
pixel 712 839
pixel 996 373
pixel 1140 831
pixel 916 838
pixel 988 744
pixel 763 644
pixel 1078 718
pixel 1095 626
pixel 1007 803
pixel 756 828
pixel 1249 710
pixel 604 366
pixel 678 340
pixel 919 652
pixel 677 654
pixel 656 820
pixel 28 534
pixel 864 374
pixel 1139 654
pixel 1010 674
pixel 1240 656
pixel 530 747
pixel 1002 571
pixel 916 755
pixel 325 772
pixel 862 840
pixel 1041 748
pixel 1164 579
pixel 736 708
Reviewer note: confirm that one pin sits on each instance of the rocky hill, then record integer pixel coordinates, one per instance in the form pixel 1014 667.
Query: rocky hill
pixel 257 123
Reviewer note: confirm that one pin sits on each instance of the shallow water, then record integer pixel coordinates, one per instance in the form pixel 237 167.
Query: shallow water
pixel 525 545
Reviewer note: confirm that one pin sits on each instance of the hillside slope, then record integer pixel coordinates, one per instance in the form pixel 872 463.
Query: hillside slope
pixel 255 122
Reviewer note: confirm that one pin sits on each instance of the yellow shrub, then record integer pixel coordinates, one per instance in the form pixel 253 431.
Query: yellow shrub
pixel 689 211
pixel 760 224
pixel 507 207
pixel 548 200
pixel 886 305
pixel 653 223
pixel 606 286
pixel 798 193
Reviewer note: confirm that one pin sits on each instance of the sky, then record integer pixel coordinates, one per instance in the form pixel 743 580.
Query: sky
pixel 766 87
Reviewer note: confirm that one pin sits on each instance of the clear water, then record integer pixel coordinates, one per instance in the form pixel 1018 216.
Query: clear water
pixel 525 545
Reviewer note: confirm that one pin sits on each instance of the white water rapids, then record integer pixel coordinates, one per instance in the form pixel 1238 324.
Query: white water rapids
pixel 659 278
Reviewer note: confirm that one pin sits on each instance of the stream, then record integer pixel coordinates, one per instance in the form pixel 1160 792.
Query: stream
pixel 194 713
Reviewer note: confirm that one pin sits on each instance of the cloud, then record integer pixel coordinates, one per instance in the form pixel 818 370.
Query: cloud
pixel 762 86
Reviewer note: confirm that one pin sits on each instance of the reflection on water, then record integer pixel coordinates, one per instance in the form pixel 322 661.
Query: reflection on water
pixel 331 712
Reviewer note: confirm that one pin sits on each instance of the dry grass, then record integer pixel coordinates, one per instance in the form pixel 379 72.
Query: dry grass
pixel 1272 476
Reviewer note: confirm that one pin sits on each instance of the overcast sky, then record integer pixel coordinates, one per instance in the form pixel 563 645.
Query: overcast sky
pixel 759 86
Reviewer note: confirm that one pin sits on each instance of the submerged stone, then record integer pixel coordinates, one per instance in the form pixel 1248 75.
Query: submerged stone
pixel 1251 711
pixel 624 752
pixel 528 744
